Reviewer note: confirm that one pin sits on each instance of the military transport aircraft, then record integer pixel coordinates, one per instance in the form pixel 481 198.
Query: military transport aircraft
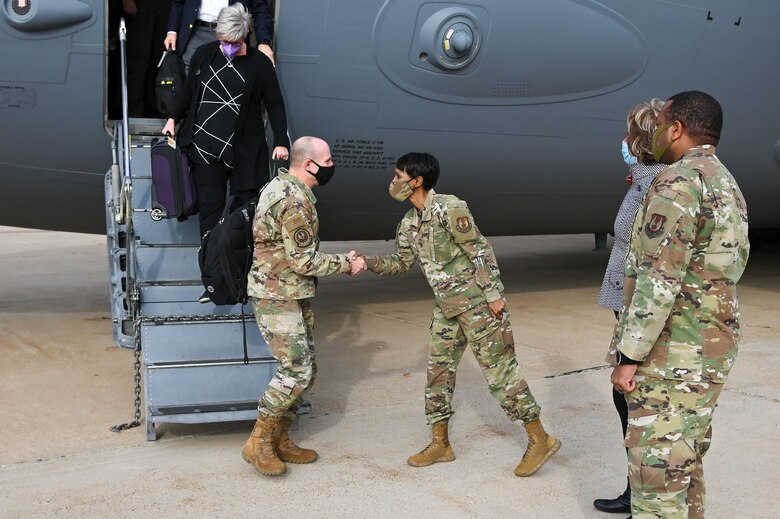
pixel 523 101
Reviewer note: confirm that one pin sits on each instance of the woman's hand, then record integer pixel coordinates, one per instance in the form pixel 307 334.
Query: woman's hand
pixel 129 7
pixel 280 153
pixel 170 41
pixel 169 128
pixel 268 51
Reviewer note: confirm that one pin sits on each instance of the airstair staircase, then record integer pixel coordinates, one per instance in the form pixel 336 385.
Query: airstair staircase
pixel 189 356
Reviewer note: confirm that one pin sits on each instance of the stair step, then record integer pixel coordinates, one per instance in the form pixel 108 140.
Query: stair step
pixel 201 342
pixel 251 405
pixel 207 385
pixel 167 263
pixel 167 231
pixel 182 299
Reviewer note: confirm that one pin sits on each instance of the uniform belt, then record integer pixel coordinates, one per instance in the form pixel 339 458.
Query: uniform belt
pixel 210 25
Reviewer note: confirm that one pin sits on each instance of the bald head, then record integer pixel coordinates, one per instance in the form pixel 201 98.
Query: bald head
pixel 303 152
pixel 308 147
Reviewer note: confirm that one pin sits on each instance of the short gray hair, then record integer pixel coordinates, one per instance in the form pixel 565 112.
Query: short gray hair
pixel 233 23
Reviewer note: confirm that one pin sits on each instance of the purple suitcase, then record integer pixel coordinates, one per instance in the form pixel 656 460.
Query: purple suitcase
pixel 173 193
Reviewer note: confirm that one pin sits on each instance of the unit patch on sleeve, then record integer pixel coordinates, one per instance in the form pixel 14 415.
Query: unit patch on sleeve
pixel 655 225
pixel 660 222
pixel 300 232
pixel 463 224
pixel 460 224
pixel 302 238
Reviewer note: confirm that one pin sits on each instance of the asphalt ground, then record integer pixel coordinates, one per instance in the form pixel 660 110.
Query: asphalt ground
pixel 63 383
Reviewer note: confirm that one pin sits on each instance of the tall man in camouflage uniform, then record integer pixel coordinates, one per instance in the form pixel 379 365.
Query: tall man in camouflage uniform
pixel 281 284
pixel 470 309
pixel 676 338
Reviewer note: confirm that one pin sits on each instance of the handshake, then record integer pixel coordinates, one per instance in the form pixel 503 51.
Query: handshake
pixel 357 263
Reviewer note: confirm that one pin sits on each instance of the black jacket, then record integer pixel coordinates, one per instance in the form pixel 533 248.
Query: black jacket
pixel 250 150
pixel 184 13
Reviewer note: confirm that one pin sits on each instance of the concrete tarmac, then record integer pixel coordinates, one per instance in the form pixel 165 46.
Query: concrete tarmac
pixel 63 383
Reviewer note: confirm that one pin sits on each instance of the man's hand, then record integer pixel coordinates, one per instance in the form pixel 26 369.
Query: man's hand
pixel 357 263
pixel 280 153
pixel 170 41
pixel 268 51
pixel 129 7
pixel 497 308
pixel 170 127
pixel 623 379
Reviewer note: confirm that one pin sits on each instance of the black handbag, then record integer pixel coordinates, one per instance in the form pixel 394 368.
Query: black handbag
pixel 171 75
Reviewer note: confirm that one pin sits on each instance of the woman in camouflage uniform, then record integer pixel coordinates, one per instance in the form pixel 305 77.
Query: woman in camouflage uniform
pixel 460 266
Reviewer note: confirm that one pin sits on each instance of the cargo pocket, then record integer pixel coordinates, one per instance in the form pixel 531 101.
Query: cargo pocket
pixel 506 334
pixel 286 319
pixel 282 327
pixel 663 468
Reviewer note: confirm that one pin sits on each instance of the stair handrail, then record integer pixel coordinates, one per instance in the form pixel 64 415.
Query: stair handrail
pixel 127 182
pixel 125 212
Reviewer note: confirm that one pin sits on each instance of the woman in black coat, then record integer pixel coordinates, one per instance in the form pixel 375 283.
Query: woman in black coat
pixel 222 117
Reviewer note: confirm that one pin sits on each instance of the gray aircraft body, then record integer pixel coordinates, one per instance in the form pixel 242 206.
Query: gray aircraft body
pixel 524 103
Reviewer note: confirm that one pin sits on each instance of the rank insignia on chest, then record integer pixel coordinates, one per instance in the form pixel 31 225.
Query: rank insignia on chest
pixel 655 226
pixel 302 238
pixel 463 224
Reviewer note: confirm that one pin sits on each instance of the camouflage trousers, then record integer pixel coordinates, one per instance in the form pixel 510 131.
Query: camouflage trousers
pixel 287 328
pixel 494 348
pixel 669 431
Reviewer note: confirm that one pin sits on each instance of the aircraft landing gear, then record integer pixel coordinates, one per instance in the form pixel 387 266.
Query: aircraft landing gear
pixel 601 241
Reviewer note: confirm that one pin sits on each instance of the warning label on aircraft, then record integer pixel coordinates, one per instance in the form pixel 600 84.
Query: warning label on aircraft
pixel 361 154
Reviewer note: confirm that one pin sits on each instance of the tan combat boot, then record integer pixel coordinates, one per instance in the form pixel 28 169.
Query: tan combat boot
pixel 439 450
pixel 540 447
pixel 259 448
pixel 287 449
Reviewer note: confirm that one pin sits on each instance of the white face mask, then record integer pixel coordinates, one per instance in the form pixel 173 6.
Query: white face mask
pixel 629 159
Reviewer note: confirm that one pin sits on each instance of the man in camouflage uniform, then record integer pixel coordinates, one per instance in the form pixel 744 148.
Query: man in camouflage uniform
pixel 470 309
pixel 676 338
pixel 281 284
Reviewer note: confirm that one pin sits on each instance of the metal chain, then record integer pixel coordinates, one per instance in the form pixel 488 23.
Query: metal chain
pixel 162 319
pixel 137 417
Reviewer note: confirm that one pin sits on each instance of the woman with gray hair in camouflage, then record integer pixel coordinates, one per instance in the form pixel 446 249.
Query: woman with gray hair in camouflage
pixel 642 169
pixel 222 117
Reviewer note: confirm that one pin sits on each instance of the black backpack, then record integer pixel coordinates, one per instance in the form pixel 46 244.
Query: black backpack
pixel 171 75
pixel 225 254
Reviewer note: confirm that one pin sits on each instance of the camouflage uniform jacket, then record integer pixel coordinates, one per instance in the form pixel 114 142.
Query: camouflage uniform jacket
pixel 286 240
pixel 688 249
pixel 457 260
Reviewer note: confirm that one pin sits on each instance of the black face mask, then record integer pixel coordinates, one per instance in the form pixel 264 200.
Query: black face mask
pixel 324 174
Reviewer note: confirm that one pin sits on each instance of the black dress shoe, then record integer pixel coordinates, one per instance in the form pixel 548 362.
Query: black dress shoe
pixel 620 505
